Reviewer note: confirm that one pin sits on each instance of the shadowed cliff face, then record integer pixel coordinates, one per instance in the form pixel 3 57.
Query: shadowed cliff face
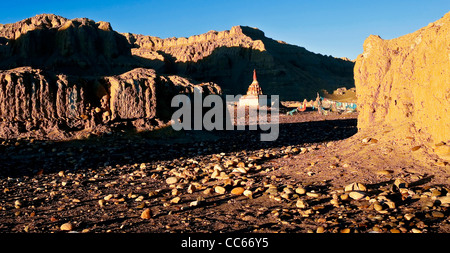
pixel 403 88
pixel 228 58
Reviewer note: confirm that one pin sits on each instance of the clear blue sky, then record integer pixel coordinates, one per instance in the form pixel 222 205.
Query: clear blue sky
pixel 336 28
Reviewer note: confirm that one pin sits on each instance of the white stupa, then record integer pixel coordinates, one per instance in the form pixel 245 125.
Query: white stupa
pixel 253 92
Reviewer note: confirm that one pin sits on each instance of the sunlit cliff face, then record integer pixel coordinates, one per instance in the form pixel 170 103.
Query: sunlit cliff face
pixel 404 84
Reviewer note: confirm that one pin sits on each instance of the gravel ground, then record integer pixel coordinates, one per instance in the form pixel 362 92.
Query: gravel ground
pixel 320 176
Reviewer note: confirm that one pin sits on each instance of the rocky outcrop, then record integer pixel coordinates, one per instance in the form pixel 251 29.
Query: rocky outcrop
pixel 75 47
pixel 403 85
pixel 44 21
pixel 66 78
pixel 41 104
pixel 229 57
pixel 195 47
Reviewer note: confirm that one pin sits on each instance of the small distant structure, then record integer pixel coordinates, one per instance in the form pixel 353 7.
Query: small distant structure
pixel 324 106
pixel 252 97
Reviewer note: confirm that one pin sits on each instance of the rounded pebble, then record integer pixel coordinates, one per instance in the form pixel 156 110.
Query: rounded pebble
pixel 437 214
pixel 171 180
pixel 301 204
pixel 356 195
pixel 320 230
pixel 300 190
pixel 175 200
pixel 344 196
pixel 146 214
pixel 237 191
pixel 219 189
pixel 345 231
pixel 248 193
pixel 377 206
pixel 384 172
pixel 66 226
pixel 408 216
pixel 395 231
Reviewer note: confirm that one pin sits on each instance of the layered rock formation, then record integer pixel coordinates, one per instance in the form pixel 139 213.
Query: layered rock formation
pixel 37 103
pixel 194 48
pixel 76 47
pixel 62 78
pixel 227 58
pixel 403 87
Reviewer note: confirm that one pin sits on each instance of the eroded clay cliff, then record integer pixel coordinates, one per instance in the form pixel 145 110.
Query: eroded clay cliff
pixel 229 57
pixel 403 88
pixel 41 104
pixel 61 78
pixel 77 47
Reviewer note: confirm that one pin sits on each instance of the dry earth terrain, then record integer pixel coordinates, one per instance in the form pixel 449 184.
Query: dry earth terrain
pixel 320 176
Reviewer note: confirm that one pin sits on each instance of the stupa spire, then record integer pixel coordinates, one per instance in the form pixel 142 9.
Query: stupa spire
pixel 253 92
pixel 254 88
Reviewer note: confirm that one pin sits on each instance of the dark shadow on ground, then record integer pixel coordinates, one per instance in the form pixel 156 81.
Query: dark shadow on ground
pixel 27 159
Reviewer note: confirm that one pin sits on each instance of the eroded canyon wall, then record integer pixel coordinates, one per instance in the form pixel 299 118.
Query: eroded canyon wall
pixel 229 57
pixel 63 77
pixel 41 104
pixel 404 84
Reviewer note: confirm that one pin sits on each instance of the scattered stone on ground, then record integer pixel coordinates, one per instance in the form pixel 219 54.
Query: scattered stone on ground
pixel 194 184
